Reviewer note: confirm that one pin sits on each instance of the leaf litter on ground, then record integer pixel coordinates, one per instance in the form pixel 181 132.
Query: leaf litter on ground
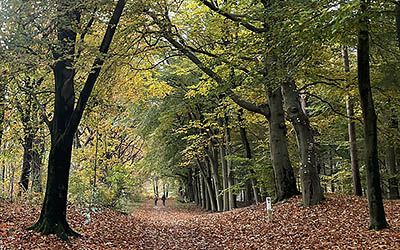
pixel 340 222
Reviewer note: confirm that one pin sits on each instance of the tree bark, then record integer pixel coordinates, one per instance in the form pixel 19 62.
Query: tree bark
pixel 374 192
pixel 311 188
pixel 285 180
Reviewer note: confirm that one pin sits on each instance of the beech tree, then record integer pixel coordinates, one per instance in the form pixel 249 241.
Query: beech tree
pixel 374 191
pixel 67 114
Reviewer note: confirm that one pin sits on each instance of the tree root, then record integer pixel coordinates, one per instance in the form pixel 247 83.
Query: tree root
pixel 59 228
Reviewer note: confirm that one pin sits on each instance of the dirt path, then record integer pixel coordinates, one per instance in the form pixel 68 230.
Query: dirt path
pixel 173 226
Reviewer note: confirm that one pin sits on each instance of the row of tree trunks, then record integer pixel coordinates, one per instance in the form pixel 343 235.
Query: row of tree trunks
pixel 280 168
pixel 217 159
pixel 205 172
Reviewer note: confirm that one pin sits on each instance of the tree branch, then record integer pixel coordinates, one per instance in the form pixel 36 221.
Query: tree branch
pixel 233 17
pixel 96 68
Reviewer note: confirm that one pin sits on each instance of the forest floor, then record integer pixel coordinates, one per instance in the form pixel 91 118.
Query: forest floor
pixel 340 222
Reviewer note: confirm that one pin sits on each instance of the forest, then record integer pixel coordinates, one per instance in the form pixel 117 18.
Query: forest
pixel 199 124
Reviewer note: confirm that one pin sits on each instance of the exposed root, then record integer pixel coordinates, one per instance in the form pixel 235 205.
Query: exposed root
pixel 60 228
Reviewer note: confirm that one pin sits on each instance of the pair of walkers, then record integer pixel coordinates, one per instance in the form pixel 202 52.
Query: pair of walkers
pixel 163 198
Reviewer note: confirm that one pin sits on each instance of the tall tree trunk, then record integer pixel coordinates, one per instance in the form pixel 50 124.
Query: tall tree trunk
pixel 351 125
pixel 285 181
pixel 311 187
pixel 202 191
pixel 357 189
pixel 229 167
pixel 225 194
pixel 374 192
pixel 252 184
pixel 212 157
pixel 12 180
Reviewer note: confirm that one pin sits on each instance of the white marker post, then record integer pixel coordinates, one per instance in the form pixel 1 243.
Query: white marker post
pixel 268 204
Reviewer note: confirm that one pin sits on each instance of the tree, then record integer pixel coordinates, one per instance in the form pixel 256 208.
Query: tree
pixel 374 192
pixel 67 115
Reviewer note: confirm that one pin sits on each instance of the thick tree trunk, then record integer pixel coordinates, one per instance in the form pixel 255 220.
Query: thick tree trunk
pixel 285 180
pixel 374 192
pixel 155 186
pixel 53 216
pixel 311 188
pixel 210 188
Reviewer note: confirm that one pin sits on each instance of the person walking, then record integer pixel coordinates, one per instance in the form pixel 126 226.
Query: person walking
pixel 155 200
pixel 163 198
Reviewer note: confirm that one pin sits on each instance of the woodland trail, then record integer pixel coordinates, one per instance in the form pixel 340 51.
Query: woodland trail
pixel 340 222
